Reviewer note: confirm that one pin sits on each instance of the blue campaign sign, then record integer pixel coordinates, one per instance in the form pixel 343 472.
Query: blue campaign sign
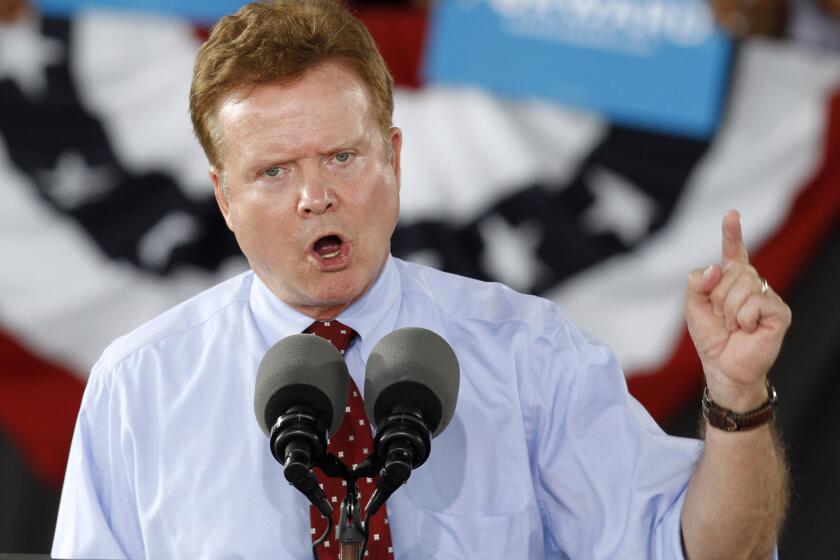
pixel 202 11
pixel 656 64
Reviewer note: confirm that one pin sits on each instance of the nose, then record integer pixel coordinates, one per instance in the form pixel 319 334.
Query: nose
pixel 316 197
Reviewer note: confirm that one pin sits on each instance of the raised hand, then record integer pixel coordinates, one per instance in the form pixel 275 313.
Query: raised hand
pixel 736 322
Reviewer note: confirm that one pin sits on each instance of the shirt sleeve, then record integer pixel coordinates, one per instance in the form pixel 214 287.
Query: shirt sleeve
pixel 609 482
pixel 88 524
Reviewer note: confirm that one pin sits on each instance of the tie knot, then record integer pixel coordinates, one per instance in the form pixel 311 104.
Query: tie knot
pixel 339 334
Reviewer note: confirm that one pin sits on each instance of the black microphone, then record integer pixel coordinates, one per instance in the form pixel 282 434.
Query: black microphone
pixel 411 387
pixel 299 400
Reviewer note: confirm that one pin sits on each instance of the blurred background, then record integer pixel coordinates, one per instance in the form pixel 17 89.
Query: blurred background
pixel 583 150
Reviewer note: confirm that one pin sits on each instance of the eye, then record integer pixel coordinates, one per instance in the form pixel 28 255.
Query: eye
pixel 272 171
pixel 342 157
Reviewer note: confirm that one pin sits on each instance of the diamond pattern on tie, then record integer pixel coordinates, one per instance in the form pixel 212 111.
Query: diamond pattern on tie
pixel 351 443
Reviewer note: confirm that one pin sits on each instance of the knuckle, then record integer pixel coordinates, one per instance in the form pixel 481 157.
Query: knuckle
pixel 737 267
pixel 748 280
pixel 734 306
pixel 744 271
pixel 731 304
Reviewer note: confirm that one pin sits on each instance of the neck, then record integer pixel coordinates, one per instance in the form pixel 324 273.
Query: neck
pixel 329 311
pixel 319 313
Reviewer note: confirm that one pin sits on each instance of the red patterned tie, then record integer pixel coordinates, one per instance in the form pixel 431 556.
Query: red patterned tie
pixel 352 443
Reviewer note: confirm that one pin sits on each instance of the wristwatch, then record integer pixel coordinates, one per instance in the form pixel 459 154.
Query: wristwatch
pixel 729 421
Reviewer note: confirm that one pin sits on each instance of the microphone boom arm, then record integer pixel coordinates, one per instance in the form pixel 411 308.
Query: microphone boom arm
pixel 402 443
pixel 297 442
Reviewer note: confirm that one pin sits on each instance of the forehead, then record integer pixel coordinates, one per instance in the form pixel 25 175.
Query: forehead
pixel 328 97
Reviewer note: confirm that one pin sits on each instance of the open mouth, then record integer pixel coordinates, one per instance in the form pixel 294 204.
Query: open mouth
pixel 328 247
pixel 331 252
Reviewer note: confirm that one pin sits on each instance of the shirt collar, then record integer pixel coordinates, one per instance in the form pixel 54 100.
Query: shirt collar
pixel 372 316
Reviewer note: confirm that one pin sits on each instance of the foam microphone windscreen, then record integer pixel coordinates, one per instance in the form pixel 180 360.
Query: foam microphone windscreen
pixel 302 369
pixel 417 366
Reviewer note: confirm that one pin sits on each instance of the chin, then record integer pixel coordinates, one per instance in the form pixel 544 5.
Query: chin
pixel 335 296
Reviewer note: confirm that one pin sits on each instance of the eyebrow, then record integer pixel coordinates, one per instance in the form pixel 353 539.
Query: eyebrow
pixel 352 143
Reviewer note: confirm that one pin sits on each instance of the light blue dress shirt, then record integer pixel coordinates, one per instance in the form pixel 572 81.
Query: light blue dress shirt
pixel 547 456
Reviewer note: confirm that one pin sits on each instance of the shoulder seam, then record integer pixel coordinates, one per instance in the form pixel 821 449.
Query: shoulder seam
pixel 551 334
pixel 110 365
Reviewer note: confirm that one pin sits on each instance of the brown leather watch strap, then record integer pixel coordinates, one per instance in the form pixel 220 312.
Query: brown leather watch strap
pixel 728 421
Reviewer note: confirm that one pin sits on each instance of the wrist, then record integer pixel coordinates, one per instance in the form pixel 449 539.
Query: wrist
pixel 738 398
pixel 731 421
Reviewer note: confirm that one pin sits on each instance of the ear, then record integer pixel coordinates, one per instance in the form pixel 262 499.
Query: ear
pixel 221 197
pixel 396 146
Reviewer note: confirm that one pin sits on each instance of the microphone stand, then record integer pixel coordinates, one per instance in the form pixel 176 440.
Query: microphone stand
pixel 402 443
pixel 351 532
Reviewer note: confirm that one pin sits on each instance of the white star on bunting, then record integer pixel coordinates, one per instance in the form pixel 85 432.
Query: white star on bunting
pixel 620 207
pixel 510 253
pixel 72 182
pixel 25 54
pixel 157 244
pixel 428 257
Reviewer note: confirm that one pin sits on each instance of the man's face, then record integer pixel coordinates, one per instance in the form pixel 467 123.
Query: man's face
pixel 313 196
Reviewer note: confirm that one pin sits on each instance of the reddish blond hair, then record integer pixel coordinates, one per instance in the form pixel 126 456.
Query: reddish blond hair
pixel 277 41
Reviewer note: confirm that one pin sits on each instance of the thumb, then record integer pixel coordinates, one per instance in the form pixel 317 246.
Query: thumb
pixel 701 282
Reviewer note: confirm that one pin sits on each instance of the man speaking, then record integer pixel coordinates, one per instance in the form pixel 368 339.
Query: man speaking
pixel 547 455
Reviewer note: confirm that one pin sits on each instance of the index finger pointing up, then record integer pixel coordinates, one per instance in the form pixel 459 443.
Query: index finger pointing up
pixel 733 241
